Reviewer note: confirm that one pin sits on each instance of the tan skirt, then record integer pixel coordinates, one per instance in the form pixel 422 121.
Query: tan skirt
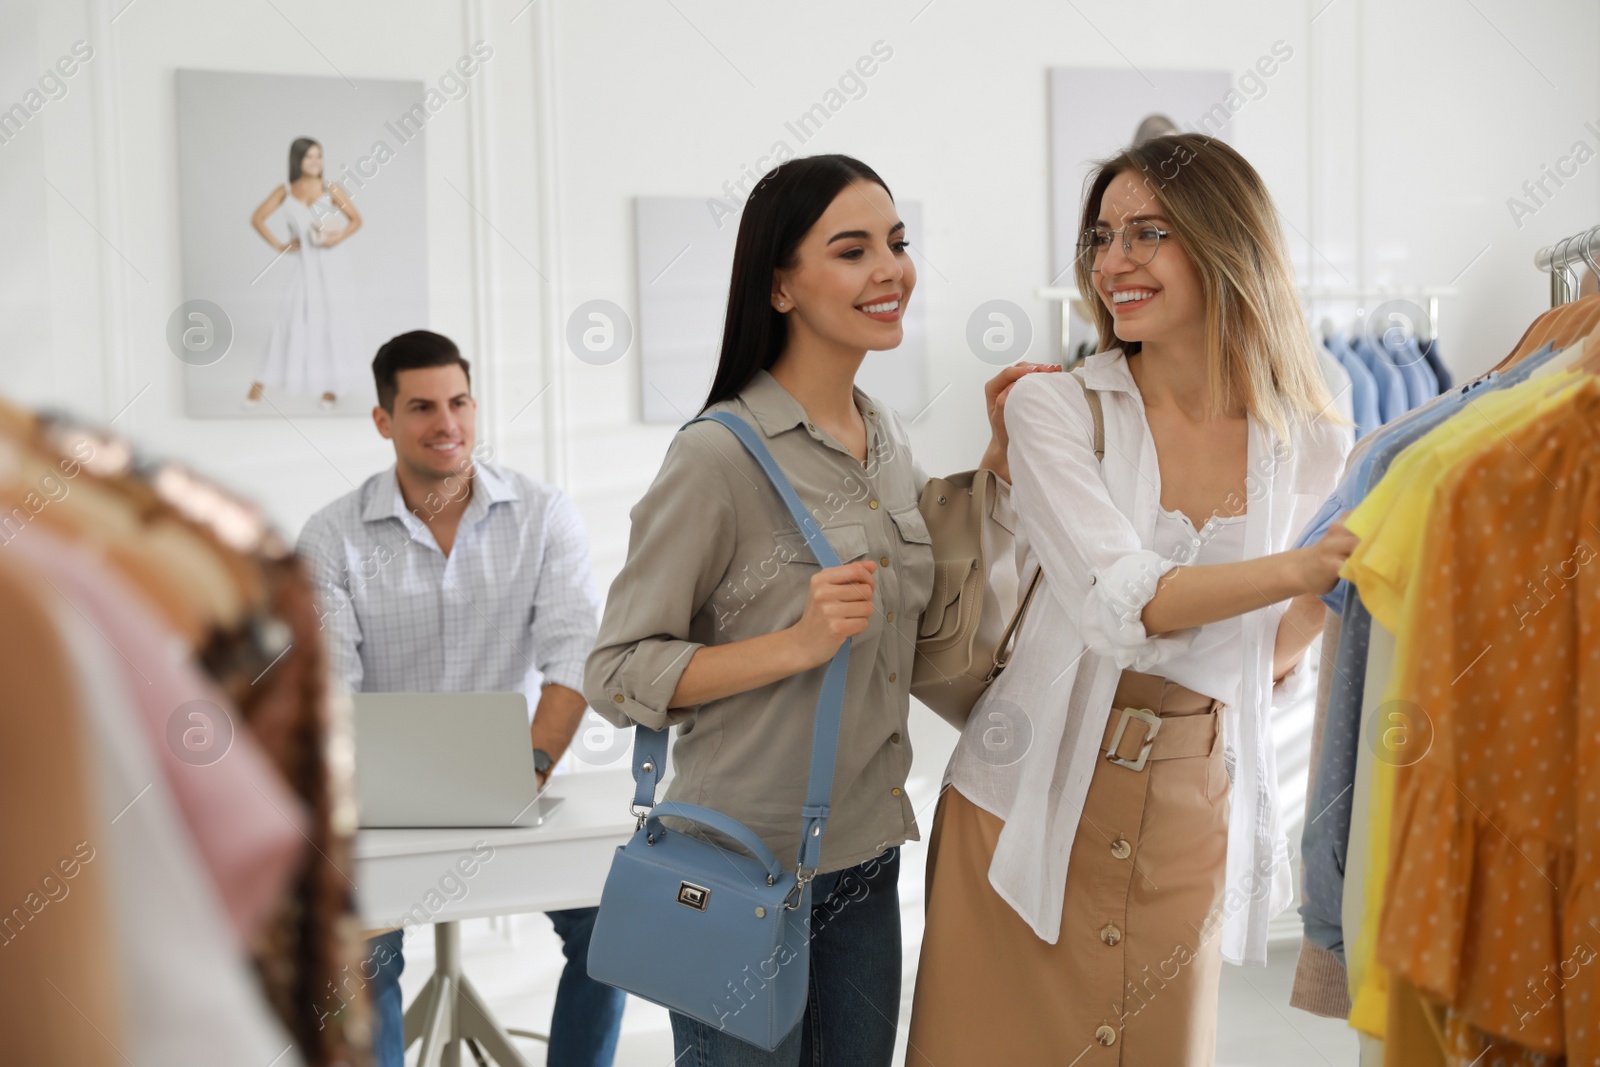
pixel 1133 977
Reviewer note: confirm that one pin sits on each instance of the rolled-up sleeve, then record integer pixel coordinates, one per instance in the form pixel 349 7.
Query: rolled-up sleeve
pixel 679 548
pixel 1112 620
pixel 1092 557
pixel 565 602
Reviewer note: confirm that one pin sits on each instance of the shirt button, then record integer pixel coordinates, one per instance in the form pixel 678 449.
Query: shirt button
pixel 873 504
pixel 1106 1036
pixel 892 676
pixel 811 427
pixel 1121 849
pixel 890 616
pixel 894 739
pixel 1093 578
pixel 895 791
pixel 1111 935
pixel 617 699
pixel 883 562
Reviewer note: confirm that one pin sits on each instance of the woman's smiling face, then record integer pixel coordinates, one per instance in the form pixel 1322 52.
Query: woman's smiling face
pixel 852 276
pixel 1151 301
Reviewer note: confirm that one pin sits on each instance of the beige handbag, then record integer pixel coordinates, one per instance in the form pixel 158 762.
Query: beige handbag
pixel 966 635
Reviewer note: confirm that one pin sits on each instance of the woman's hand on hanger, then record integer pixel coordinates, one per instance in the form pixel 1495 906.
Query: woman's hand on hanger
pixel 995 392
pixel 1319 563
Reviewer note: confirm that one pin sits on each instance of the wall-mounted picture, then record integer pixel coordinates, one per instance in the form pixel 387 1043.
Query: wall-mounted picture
pixel 685 260
pixel 1096 113
pixel 304 219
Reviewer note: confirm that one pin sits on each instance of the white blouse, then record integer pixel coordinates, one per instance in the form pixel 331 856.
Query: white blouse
pixel 1029 749
pixel 1212 664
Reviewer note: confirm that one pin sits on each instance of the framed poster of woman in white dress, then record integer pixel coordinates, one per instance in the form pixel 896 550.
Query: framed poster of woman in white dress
pixel 314 346
pixel 303 214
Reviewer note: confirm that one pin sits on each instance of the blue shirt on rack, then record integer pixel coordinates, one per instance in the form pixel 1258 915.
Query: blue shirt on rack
pixel 1415 354
pixel 1363 389
pixel 1441 373
pixel 1393 400
pixel 1421 386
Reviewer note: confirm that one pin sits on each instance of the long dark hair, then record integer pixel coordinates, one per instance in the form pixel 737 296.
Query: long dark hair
pixel 782 208
pixel 297 153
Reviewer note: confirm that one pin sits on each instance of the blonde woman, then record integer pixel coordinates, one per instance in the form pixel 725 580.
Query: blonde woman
pixel 1110 832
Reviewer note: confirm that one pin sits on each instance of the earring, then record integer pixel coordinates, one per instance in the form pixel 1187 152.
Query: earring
pixel 782 305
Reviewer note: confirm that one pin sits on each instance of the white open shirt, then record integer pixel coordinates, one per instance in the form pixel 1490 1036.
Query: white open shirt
pixel 1093 535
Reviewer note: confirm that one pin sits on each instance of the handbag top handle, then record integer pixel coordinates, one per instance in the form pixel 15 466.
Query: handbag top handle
pixel 650 746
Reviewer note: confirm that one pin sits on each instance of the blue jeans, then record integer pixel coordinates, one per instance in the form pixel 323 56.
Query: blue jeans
pixel 853 1009
pixel 384 956
pixel 583 1028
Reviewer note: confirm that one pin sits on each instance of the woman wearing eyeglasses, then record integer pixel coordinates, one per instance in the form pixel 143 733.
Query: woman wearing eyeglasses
pixel 1111 832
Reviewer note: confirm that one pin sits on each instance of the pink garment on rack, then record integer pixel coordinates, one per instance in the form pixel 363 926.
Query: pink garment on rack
pixel 247 827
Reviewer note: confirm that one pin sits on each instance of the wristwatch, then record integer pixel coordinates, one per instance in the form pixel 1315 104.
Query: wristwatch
pixel 542 761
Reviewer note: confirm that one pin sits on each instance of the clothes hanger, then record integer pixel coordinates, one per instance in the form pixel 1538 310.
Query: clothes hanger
pixel 1540 330
pixel 1559 326
pixel 1589 361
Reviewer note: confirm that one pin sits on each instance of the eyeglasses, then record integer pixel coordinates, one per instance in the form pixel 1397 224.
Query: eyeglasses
pixel 1139 241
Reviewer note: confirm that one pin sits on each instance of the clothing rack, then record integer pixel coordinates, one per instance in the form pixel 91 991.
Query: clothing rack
pixel 1428 295
pixel 1062 296
pixel 1579 249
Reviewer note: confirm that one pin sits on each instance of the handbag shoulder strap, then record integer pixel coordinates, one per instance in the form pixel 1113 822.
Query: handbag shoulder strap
pixel 1002 654
pixel 1096 413
pixel 650 746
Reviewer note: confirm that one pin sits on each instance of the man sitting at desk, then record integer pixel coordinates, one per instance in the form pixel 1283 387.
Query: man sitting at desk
pixel 443 574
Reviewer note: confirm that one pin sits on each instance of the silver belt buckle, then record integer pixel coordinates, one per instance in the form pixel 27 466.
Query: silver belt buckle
pixel 1152 727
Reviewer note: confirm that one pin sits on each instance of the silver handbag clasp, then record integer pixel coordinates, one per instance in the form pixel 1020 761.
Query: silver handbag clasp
pixel 1152 727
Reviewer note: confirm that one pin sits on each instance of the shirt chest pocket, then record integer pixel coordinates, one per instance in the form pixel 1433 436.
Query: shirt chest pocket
pixel 848 540
pixel 792 564
pixel 914 559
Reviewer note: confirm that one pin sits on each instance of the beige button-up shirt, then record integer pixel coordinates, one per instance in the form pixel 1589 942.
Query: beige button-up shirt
pixel 713 558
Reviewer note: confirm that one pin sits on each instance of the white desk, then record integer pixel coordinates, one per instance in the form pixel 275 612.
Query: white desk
pixel 407 877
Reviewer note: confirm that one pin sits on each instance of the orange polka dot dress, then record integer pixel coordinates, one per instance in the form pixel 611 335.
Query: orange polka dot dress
pixel 1492 905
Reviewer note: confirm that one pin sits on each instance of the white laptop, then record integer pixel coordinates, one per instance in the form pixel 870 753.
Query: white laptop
pixel 446 759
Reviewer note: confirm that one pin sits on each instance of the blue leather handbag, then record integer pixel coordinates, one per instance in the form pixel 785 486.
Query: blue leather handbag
pixel 706 931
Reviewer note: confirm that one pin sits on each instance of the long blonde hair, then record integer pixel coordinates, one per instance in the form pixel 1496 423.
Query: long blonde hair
pixel 1258 348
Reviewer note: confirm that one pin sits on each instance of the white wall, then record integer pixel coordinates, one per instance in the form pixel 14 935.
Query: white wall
pixel 1392 140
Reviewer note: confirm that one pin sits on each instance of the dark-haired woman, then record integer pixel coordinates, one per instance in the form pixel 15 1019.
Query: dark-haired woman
pixel 312 349
pixel 721 621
